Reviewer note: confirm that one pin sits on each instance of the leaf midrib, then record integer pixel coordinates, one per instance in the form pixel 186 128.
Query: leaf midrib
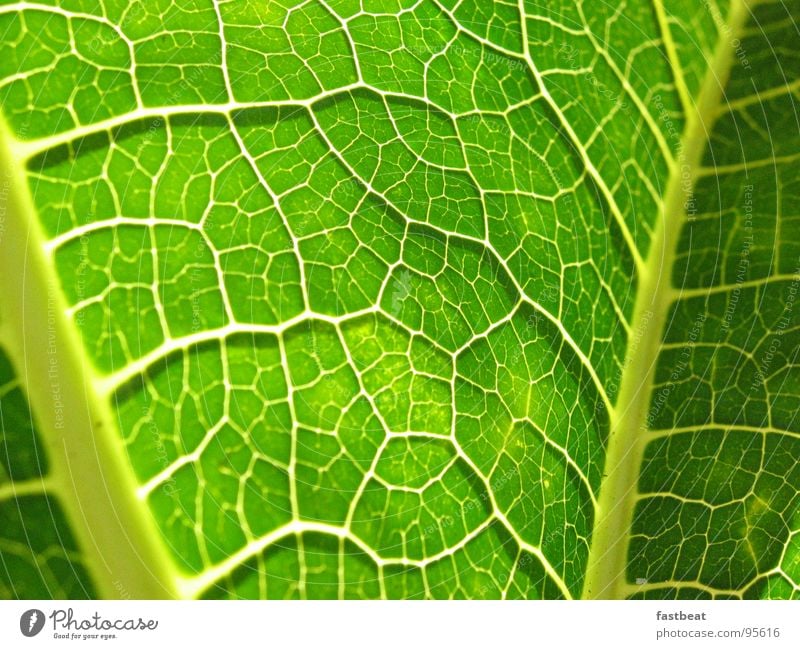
pixel 87 465
pixel 607 565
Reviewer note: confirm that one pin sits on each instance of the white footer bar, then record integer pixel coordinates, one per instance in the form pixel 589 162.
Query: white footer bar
pixel 399 624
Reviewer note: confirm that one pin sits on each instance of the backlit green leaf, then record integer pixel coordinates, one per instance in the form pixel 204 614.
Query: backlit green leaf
pixel 338 299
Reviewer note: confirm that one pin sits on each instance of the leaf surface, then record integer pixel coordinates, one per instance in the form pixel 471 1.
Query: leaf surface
pixel 417 299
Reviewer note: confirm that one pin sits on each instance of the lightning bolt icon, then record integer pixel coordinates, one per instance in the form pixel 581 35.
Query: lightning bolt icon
pixel 32 620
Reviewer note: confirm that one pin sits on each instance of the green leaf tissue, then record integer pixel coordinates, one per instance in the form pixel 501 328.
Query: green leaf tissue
pixel 399 299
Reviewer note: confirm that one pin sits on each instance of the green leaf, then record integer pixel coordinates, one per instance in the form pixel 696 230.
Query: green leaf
pixel 409 299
